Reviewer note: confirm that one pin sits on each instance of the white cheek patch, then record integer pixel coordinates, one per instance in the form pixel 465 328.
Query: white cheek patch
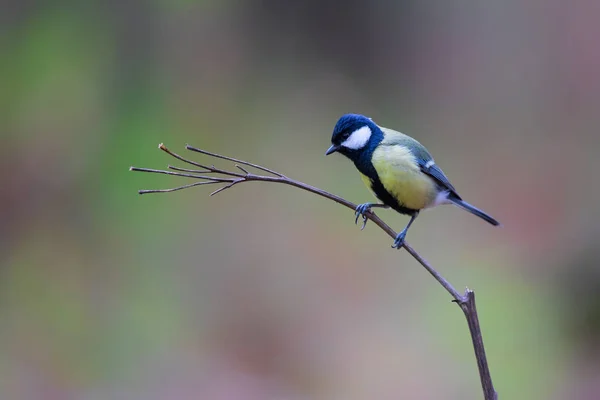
pixel 358 139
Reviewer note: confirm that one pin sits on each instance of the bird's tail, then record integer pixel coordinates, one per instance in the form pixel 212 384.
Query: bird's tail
pixel 457 201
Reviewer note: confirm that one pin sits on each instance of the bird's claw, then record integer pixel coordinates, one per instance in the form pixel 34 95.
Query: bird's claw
pixel 399 241
pixel 361 210
pixel 364 223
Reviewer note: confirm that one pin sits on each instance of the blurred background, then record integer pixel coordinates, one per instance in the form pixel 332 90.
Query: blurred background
pixel 265 291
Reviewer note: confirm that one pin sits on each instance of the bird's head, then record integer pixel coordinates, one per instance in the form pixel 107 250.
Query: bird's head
pixel 352 134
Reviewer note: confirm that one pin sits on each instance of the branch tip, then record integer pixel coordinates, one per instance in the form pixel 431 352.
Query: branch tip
pixel 242 169
pixel 220 190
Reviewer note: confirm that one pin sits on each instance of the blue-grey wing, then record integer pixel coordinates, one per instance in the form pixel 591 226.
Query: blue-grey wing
pixel 424 159
pixel 431 169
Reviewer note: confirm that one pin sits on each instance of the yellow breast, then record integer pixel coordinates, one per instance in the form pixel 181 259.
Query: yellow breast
pixel 368 183
pixel 401 176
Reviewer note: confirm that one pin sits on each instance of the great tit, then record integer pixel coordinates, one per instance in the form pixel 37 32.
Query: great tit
pixel 397 169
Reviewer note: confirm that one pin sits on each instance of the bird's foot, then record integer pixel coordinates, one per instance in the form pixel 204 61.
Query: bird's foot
pixel 399 241
pixel 361 210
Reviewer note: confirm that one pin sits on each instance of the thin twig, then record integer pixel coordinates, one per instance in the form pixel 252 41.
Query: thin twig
pixel 211 168
pixel 175 188
pixel 160 171
pixel 195 171
pixel 466 302
pixel 242 169
pixel 208 153
pixel 225 187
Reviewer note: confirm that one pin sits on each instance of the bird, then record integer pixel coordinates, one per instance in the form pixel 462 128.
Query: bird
pixel 397 169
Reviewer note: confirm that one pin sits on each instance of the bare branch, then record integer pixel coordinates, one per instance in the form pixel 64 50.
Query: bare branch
pixel 160 171
pixel 177 188
pixel 177 156
pixel 470 310
pixel 208 153
pixel 466 302
pixel 211 168
pixel 242 168
pixel 225 187
pixel 195 171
